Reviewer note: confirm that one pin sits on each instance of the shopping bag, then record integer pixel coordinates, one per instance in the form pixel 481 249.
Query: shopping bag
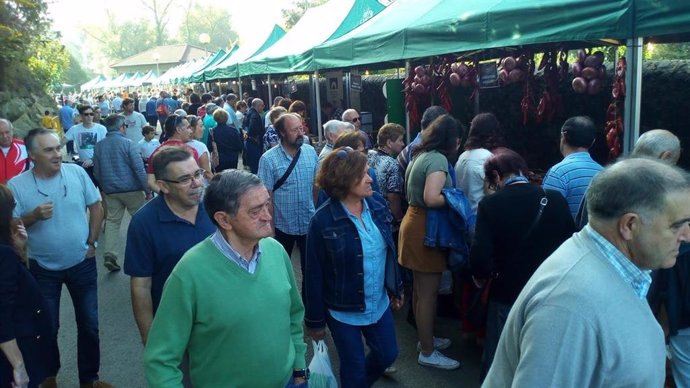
pixel 320 371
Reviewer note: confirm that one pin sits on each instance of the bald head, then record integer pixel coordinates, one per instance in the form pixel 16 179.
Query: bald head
pixel 6 132
pixel 657 144
pixel 352 116
pixel 633 186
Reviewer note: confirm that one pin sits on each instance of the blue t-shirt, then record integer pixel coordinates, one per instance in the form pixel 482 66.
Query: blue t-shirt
pixel 151 107
pixel 66 117
pixel 59 242
pixel 157 239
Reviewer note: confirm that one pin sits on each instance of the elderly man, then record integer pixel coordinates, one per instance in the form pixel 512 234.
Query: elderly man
pixel 255 337
pixel 163 230
pixel 120 170
pixel 331 130
pixel 14 158
pixel 582 320
pixel 572 175
pixel 51 200
pixel 352 116
pixel 254 125
pixel 288 172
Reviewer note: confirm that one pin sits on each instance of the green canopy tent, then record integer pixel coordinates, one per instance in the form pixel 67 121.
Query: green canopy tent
pixel 409 29
pixel 292 53
pixel 91 84
pixel 228 67
pixel 196 75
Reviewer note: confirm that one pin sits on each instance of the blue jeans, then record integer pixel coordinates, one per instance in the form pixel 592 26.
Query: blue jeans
pixel 497 315
pixel 356 370
pixel 81 283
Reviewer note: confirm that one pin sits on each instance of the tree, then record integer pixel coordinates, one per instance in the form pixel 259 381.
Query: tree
pixel 48 61
pixel 161 13
pixel 74 74
pixel 23 25
pixel 118 40
pixel 216 24
pixel 299 7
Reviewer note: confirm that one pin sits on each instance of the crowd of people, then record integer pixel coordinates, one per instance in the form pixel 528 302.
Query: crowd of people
pixel 570 271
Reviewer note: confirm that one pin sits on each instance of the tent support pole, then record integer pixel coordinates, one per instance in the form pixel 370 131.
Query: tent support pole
pixel 407 113
pixel 317 94
pixel 633 96
pixel 270 90
pixel 239 82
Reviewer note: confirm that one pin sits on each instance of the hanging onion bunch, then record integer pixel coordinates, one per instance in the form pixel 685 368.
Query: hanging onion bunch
pixel 589 72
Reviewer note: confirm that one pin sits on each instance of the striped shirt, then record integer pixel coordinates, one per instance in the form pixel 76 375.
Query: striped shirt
pixel 571 177
pixel 228 251
pixel 639 279
pixel 293 202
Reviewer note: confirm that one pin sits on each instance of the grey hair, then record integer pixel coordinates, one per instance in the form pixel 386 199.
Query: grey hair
pixel 256 101
pixel 633 186
pixel 113 123
pixel 332 126
pixel 8 123
pixel 349 126
pixel 652 144
pixel 347 113
pixel 225 191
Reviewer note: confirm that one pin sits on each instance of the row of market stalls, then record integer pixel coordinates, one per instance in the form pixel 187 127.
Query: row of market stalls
pixel 350 34
pixel 123 80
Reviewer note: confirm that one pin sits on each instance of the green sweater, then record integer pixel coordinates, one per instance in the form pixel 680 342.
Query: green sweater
pixel 240 329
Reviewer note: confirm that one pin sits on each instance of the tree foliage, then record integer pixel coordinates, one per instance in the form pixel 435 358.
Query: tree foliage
pixel 120 39
pixel 30 51
pixel 160 10
pixel 216 24
pixel 299 7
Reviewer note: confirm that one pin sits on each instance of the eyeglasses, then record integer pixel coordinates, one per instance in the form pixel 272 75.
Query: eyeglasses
pixel 186 180
pixel 64 186
pixel 87 114
pixel 355 119
pixel 296 129
pixel 125 125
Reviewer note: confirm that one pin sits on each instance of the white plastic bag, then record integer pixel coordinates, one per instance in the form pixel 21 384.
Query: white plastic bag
pixel 320 371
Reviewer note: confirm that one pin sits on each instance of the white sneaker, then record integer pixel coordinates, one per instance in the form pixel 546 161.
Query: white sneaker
pixel 440 343
pixel 438 360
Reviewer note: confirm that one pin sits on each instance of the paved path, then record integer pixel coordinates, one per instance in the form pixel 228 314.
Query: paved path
pixel 121 349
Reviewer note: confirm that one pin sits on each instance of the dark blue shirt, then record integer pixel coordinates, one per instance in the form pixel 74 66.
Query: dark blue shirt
pixel 157 239
pixel 151 107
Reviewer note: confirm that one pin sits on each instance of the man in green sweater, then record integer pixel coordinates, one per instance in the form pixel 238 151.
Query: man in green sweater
pixel 231 302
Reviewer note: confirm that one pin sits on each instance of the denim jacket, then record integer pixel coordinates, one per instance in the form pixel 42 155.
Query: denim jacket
pixel 449 227
pixel 334 273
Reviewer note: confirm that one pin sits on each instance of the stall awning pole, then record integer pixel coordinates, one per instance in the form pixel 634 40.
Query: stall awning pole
pixel 317 94
pixel 270 91
pixel 407 113
pixel 633 96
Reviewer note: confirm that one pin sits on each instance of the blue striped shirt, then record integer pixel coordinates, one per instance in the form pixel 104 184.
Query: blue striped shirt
pixel 293 203
pixel 571 177
pixel 228 251
pixel 639 279
pixel 374 262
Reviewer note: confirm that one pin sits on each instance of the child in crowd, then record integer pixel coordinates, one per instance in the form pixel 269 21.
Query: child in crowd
pixel 47 120
pixel 148 144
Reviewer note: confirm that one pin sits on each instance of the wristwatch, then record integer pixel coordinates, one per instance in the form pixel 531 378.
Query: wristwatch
pixel 303 373
pixel 94 244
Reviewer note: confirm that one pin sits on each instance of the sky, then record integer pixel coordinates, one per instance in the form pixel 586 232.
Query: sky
pixel 248 15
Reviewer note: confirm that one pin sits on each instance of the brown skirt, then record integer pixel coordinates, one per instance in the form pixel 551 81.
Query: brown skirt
pixel 412 253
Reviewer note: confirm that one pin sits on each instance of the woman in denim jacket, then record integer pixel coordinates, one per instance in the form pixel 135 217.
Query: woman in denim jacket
pixel 351 277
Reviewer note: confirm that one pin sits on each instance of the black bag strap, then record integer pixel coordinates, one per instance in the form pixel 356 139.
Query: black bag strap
pixel 288 171
pixel 542 204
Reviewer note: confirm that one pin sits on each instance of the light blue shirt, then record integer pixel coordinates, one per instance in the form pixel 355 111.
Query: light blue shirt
pixel 374 260
pixel 571 178
pixel 293 203
pixel 639 279
pixel 59 242
pixel 228 251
